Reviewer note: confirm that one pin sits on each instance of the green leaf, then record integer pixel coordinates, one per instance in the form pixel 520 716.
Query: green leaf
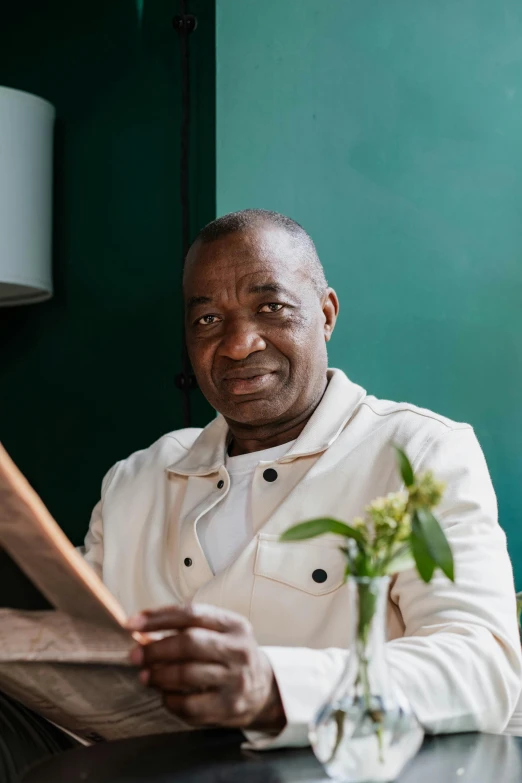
pixel 318 527
pixel 421 554
pixel 405 468
pixel 436 542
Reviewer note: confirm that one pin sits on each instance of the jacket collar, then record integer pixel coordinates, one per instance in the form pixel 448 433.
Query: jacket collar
pixel 340 400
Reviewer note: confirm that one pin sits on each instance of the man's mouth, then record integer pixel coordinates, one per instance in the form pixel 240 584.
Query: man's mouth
pixel 247 381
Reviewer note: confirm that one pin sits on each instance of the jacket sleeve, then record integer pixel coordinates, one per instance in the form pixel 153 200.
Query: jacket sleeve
pixel 459 661
pixel 92 549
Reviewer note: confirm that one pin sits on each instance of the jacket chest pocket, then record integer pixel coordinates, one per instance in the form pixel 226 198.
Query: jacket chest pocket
pixel 299 597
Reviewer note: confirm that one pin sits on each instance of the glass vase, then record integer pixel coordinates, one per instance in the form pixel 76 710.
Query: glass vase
pixel 366 732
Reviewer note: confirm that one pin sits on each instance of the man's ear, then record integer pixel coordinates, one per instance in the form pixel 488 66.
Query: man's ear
pixel 330 305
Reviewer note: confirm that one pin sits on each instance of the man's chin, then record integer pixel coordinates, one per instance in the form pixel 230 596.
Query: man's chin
pixel 255 412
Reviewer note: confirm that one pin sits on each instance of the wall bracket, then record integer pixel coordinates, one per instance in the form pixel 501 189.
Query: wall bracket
pixel 185 23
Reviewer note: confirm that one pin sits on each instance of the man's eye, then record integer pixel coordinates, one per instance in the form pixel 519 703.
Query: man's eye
pixel 207 320
pixel 271 307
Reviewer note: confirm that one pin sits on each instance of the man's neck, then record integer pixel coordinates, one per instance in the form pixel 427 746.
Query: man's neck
pixel 246 440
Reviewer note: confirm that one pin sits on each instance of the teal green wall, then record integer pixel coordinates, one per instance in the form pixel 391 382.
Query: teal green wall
pixel 393 132
pixel 88 377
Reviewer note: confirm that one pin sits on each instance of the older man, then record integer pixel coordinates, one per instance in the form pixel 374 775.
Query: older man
pixel 189 528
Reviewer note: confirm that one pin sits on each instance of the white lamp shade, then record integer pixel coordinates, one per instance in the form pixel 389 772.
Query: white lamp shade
pixel 26 175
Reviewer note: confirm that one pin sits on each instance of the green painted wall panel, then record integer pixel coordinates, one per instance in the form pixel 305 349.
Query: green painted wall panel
pixel 393 132
pixel 88 377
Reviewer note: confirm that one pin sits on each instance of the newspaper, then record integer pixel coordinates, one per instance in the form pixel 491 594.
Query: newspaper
pixel 71 664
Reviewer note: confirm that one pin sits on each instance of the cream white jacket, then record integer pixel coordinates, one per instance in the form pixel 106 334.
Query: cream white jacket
pixel 453 648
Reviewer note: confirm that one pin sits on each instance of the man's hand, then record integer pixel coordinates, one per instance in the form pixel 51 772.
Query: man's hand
pixel 211 671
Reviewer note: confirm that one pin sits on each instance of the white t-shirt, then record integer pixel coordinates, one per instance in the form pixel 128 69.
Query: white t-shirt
pixel 226 529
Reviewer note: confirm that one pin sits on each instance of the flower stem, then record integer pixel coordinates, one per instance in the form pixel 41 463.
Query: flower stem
pixel 367 608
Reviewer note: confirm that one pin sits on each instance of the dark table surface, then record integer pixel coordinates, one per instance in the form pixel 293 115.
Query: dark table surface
pixel 216 757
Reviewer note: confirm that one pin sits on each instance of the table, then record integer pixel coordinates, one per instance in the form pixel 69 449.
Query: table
pixel 216 757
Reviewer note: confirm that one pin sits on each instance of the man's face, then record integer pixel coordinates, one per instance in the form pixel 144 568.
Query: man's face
pixel 256 326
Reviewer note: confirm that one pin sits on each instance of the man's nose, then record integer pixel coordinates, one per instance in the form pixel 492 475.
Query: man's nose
pixel 240 339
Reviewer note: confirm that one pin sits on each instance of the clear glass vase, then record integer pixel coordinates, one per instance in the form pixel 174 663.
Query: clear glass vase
pixel 366 732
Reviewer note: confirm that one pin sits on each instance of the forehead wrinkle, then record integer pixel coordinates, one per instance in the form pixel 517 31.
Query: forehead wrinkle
pixel 223 288
pixel 273 248
pixel 246 282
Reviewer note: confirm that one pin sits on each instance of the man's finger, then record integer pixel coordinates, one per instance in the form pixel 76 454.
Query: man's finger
pixel 184 677
pixel 194 644
pixel 193 615
pixel 196 709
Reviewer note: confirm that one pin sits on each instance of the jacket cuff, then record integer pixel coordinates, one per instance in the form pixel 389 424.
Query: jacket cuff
pixel 305 678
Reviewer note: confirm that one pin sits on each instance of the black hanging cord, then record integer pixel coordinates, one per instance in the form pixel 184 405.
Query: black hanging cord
pixel 185 24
